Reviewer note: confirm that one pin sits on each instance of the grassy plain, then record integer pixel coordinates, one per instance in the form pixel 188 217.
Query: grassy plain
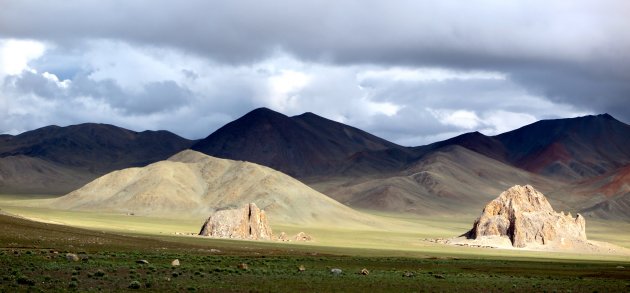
pixel 112 243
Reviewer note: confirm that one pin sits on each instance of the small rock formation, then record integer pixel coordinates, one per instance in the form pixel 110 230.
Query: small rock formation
pixel 364 272
pixel 248 222
pixel 526 217
pixel 175 263
pixel 336 271
pixel 283 237
pixel 242 266
pixel 301 236
pixel 142 262
pixel 72 257
pixel 301 268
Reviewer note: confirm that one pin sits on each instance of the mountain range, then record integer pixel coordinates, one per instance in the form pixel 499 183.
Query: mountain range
pixel 57 159
pixel 582 163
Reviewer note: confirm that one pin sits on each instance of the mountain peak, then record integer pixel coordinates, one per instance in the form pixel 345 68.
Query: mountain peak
pixel 606 116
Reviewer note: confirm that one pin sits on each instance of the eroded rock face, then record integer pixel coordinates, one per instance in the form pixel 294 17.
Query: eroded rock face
pixel 248 222
pixel 525 216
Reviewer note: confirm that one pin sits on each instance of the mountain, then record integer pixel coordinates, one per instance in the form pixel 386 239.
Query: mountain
pixel 193 185
pixel 569 149
pixel 57 159
pixel 572 149
pixel 301 146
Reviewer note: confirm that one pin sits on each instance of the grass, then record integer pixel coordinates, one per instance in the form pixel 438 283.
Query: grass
pixel 34 257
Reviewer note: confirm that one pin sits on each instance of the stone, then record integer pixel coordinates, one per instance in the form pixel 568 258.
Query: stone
pixel 248 222
pixel 408 274
pixel 72 257
pixel 364 272
pixel 336 271
pixel 302 237
pixel 301 268
pixel 175 263
pixel 438 276
pixel 142 262
pixel 525 216
pixel 242 266
pixel 283 237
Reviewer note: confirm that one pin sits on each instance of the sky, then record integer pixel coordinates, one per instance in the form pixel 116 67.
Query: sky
pixel 412 72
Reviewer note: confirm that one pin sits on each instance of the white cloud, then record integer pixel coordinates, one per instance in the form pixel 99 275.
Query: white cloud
pixel 427 74
pixel 284 89
pixel 60 83
pixel 464 119
pixel 16 54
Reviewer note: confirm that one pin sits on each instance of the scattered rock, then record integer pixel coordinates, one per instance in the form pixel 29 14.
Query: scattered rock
pixel 242 266
pixel 134 285
pixel 302 237
pixel 438 276
pixel 336 271
pixel 248 222
pixel 175 263
pixel 283 237
pixel 364 272
pixel 72 257
pixel 142 262
pixel 526 217
pixel 301 268
pixel 408 274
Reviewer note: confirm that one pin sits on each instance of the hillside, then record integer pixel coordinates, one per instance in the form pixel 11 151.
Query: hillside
pixel 192 185
pixel 449 180
pixel 23 174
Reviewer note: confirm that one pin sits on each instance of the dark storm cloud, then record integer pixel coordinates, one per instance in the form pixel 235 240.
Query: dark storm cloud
pixel 574 52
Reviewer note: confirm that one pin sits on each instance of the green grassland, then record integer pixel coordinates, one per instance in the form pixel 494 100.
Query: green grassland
pixel 33 257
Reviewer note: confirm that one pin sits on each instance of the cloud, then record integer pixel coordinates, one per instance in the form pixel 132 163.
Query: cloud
pixel 410 71
pixel 15 55
pixel 192 96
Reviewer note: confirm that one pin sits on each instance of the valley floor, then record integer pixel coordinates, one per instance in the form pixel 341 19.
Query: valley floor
pixel 397 254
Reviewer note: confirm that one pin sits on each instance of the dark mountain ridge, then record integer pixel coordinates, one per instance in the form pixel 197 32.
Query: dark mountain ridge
pixel 301 146
pixel 91 149
pixel 569 149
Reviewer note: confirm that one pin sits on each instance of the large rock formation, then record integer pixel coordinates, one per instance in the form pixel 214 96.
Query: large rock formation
pixel 526 217
pixel 248 222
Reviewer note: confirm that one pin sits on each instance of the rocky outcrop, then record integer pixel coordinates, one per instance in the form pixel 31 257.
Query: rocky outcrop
pixel 248 222
pixel 526 217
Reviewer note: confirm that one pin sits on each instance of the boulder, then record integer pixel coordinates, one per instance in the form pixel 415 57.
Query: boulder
pixel 524 215
pixel 283 237
pixel 248 222
pixel 72 257
pixel 301 236
pixel 175 263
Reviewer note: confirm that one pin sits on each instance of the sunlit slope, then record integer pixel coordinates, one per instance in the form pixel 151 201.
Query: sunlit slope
pixel 191 184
